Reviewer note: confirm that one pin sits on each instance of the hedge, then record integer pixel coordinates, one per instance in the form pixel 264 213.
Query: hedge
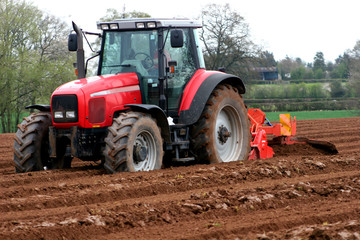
pixel 304 105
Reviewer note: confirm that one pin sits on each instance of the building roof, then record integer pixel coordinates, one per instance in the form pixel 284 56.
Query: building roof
pixel 265 69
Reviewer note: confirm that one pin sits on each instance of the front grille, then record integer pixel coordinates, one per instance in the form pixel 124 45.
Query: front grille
pixel 62 108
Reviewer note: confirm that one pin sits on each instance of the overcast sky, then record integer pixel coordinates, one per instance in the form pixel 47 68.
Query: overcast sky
pixel 297 28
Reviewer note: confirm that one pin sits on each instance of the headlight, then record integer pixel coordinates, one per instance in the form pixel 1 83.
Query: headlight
pixel 146 25
pixel 65 108
pixel 58 115
pixel 140 25
pixel 151 24
pixel 70 114
pixel 104 27
pixel 114 26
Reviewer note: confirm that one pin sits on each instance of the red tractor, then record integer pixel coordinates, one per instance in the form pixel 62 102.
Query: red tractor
pixel 152 97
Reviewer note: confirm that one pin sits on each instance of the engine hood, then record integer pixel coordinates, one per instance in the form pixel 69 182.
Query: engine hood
pixel 95 99
pixel 96 84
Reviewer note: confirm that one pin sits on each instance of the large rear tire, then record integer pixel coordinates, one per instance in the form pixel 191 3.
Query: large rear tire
pixel 222 134
pixel 133 144
pixel 31 146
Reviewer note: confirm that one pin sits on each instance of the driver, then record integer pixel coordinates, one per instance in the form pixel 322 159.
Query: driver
pixel 152 64
pixel 154 68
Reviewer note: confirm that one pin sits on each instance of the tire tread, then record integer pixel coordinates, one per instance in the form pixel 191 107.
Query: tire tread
pixel 200 132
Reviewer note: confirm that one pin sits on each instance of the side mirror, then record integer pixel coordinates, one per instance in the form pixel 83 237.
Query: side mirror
pixel 177 38
pixel 72 42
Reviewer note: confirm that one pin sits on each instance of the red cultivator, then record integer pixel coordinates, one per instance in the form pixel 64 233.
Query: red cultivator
pixel 284 133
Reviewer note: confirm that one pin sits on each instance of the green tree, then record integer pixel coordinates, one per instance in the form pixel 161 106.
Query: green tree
pixel 330 66
pixel 309 74
pixel 340 71
pixel 298 73
pixel 288 65
pixel 341 67
pixel 319 73
pixel 33 58
pixel 319 62
pixel 16 28
pixel 354 69
pixel 336 89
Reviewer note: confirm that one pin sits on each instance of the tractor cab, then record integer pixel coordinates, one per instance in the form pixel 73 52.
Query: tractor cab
pixel 164 53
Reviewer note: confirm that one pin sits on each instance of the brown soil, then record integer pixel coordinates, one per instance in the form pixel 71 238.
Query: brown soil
pixel 299 194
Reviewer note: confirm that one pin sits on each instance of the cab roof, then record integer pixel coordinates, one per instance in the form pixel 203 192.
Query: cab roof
pixel 148 23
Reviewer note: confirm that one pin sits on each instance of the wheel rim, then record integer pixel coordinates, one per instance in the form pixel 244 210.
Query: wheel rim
pixel 227 134
pixel 144 154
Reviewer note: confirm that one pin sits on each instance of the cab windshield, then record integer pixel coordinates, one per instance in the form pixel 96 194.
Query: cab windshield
pixel 130 51
pixel 137 51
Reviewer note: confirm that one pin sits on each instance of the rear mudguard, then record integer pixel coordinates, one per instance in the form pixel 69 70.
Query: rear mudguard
pixel 157 113
pixel 198 91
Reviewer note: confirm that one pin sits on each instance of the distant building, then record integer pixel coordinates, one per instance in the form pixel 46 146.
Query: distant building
pixel 267 73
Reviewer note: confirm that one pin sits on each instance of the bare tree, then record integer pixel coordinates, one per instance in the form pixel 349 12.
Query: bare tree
pixel 226 37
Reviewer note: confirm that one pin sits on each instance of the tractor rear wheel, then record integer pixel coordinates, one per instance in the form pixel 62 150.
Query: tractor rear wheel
pixel 133 144
pixel 31 146
pixel 222 134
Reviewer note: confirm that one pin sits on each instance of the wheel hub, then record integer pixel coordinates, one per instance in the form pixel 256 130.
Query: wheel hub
pixel 140 153
pixel 223 134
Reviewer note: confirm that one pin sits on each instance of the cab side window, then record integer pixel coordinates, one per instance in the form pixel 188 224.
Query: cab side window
pixel 185 69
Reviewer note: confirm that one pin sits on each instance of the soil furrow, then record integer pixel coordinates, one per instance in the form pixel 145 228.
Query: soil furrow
pixel 301 193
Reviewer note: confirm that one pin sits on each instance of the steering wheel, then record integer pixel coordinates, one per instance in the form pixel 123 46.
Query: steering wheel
pixel 147 62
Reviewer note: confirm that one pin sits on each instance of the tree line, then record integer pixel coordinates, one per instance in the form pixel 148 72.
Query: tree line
pixel 34 59
pixel 296 69
pixel 227 40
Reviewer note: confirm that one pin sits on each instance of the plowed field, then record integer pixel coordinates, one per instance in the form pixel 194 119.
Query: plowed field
pixel 301 193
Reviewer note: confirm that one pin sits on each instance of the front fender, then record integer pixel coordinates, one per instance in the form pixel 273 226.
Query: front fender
pixel 198 91
pixel 42 108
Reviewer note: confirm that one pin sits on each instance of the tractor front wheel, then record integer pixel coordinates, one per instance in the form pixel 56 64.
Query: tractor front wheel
pixel 133 144
pixel 31 146
pixel 222 134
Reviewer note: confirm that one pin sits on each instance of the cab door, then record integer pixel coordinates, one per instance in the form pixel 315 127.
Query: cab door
pixel 186 66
